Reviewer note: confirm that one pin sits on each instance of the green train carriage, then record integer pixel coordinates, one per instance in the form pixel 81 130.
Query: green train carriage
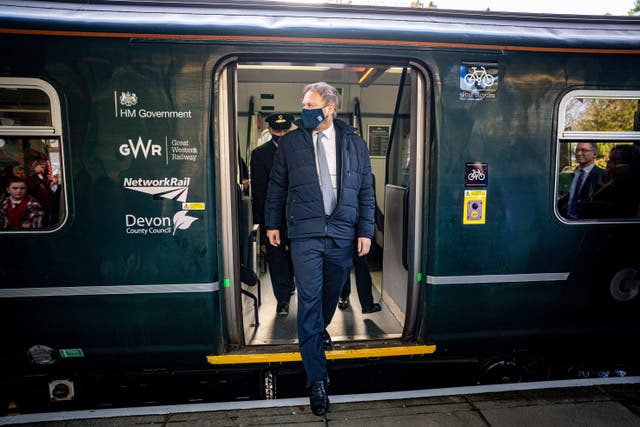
pixel 141 112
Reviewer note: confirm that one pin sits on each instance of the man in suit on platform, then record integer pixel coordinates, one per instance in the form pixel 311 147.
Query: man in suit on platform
pixel 321 178
pixel 278 257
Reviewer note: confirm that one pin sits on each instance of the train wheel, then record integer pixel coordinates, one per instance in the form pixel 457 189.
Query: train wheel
pixel 269 383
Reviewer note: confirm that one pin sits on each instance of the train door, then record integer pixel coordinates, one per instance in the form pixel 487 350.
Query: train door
pixel 387 106
pixel 403 192
pixel 227 183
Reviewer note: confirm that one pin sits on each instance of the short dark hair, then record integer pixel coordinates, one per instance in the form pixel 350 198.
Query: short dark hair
pixel 13 179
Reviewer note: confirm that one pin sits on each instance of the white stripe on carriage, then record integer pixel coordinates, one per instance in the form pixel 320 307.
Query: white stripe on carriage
pixel 497 278
pixel 67 291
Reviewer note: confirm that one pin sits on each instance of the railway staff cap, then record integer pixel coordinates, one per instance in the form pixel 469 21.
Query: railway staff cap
pixel 279 121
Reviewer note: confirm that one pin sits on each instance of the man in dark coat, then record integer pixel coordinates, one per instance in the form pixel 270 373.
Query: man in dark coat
pixel 321 178
pixel 278 257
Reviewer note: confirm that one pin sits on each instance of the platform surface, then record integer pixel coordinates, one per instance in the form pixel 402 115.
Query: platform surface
pixel 611 402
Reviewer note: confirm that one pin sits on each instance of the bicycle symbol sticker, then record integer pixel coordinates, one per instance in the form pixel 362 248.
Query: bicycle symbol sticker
pixel 476 174
pixel 478 81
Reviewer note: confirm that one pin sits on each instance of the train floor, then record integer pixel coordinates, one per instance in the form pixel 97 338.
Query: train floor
pixel 347 325
pixel 610 402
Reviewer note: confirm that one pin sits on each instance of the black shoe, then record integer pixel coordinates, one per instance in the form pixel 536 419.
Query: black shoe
pixel 343 304
pixel 327 382
pixel 318 400
pixel 282 309
pixel 326 340
pixel 374 307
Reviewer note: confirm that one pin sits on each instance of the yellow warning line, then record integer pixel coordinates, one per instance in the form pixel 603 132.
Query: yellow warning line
pixel 360 353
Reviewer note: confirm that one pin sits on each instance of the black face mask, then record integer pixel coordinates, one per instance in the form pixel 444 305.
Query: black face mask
pixel 275 138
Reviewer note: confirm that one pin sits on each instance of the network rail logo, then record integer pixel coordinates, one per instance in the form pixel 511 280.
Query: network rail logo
pixel 171 188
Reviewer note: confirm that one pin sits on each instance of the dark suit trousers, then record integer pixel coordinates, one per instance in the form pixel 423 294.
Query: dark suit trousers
pixel 321 267
pixel 363 281
pixel 280 269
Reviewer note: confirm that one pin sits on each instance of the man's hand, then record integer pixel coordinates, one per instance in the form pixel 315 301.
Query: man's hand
pixel 274 237
pixel 364 244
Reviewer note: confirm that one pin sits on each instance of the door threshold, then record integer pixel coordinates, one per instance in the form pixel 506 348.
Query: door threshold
pixel 341 351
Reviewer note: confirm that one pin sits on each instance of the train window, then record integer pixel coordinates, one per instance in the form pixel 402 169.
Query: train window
pixel 24 107
pixel 598 156
pixel 30 156
pixel 595 114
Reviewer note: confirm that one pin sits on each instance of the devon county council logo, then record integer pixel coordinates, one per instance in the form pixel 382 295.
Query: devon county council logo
pixel 182 221
pixel 150 225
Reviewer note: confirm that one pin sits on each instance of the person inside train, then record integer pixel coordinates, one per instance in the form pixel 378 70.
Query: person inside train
pixel 18 171
pixel 278 257
pixel 20 210
pixel 619 195
pixel 322 175
pixel 43 186
pixel 364 285
pixel 13 170
pixel 587 179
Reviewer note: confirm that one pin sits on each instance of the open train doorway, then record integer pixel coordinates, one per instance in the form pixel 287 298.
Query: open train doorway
pixel 386 104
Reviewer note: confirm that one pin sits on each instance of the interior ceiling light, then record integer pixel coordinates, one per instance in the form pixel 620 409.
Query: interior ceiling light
pixel 366 74
pixel 371 75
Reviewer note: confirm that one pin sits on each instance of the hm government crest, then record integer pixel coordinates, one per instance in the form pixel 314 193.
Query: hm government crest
pixel 128 99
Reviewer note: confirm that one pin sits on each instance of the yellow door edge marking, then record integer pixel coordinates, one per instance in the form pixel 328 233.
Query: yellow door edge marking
pixel 360 353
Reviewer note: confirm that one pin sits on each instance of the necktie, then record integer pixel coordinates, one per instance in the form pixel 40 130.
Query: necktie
pixel 573 203
pixel 325 177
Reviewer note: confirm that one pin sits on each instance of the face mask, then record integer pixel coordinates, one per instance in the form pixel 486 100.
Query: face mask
pixel 311 118
pixel 275 138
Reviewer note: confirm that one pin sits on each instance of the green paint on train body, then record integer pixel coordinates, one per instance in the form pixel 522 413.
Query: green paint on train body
pixel 138 144
pixel 515 134
pixel 137 148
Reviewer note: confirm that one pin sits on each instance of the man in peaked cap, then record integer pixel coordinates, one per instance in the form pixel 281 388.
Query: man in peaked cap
pixel 278 257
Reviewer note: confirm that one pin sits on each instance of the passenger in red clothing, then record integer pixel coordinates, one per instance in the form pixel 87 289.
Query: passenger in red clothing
pixel 20 210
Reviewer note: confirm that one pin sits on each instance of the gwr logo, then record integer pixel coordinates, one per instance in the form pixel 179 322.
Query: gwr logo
pixel 140 147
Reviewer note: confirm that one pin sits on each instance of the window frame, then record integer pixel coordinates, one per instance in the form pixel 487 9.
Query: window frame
pixel 567 137
pixel 46 132
pixel 35 84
